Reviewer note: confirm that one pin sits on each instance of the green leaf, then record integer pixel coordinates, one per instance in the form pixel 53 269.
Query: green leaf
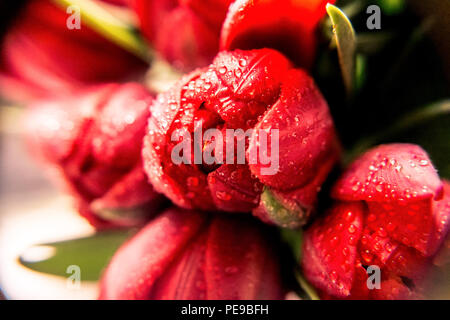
pixel 344 35
pixel 109 26
pixel 439 110
pixel 306 286
pixel 90 254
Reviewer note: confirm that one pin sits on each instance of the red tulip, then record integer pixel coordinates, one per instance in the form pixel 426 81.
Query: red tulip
pixel 256 90
pixel 93 141
pixel 190 255
pixel 42 57
pixel 185 32
pixel 286 25
pixel 392 214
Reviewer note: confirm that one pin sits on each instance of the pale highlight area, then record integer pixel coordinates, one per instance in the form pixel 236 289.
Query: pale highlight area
pixel 45 219
pixel 32 212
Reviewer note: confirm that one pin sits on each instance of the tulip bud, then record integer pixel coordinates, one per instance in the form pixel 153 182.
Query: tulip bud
pixel 391 216
pixel 190 255
pixel 41 57
pixel 270 116
pixel 93 142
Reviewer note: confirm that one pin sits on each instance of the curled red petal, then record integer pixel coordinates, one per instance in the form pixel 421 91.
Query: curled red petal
pixel 286 25
pixel 330 249
pixel 307 138
pixel 390 172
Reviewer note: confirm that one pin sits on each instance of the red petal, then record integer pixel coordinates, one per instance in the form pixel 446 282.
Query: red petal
pixel 240 262
pixel 390 172
pixel 131 191
pixel 359 291
pixel 186 40
pixel 120 126
pixel 307 140
pixel 284 25
pixel 410 223
pixel 441 217
pixel 132 198
pixel 56 127
pixel 407 262
pixel 186 185
pixel 249 84
pixel 137 265
pixel 185 278
pixel 375 249
pixel 392 257
pixel 233 189
pixel 212 11
pixel 393 289
pixel 330 247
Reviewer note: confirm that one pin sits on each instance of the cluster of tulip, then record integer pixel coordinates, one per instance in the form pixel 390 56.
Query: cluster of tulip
pixel 208 229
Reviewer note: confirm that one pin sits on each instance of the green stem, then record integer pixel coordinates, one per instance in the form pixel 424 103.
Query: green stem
pixel 306 286
pixel 410 120
pixel 109 26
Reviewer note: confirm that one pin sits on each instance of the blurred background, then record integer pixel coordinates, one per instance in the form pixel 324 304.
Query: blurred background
pixel 414 42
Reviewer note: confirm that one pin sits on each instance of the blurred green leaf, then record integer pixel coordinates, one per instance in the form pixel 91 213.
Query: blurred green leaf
pixel 346 44
pixel 428 126
pixel 373 42
pixel 306 286
pixel 294 239
pixel 108 25
pixel 392 7
pixel 90 254
pixel 361 71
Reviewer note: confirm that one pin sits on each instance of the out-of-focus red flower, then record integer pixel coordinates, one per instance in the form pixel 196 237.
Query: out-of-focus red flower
pixel 244 90
pixel 185 32
pixel 190 255
pixel 118 2
pixel 392 214
pixel 93 140
pixel 286 25
pixel 41 57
